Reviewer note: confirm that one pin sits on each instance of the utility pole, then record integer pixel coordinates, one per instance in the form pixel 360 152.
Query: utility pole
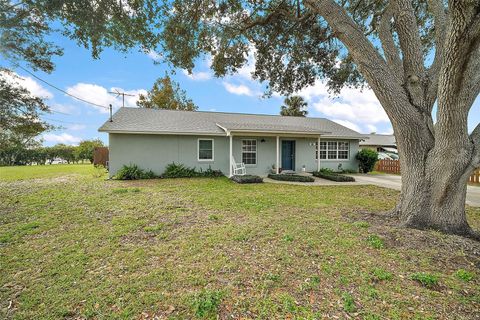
pixel 123 94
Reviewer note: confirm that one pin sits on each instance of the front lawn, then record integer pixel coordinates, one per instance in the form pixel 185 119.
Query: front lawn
pixel 74 245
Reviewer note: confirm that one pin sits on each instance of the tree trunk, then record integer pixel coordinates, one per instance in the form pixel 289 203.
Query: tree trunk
pixel 435 171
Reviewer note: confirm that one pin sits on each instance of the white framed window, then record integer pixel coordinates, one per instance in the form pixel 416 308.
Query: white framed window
pixel 205 150
pixel 333 150
pixel 343 150
pixel 249 151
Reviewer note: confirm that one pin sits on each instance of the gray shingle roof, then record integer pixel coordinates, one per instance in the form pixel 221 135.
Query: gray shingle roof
pixel 140 120
pixel 379 140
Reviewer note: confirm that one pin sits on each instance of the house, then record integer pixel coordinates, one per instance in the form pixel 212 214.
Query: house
pixel 152 138
pixel 379 143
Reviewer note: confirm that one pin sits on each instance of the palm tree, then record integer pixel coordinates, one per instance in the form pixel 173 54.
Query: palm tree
pixel 294 106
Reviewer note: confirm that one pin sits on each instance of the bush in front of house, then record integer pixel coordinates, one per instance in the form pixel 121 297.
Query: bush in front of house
pixel 133 172
pixel 367 159
pixel 291 177
pixel 174 170
pixel 247 179
pixel 333 176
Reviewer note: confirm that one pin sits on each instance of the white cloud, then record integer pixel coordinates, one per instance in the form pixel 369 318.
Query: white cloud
pixel 76 127
pixel 101 96
pixel 155 56
pixel 348 124
pixel 238 89
pixel 65 108
pixel 28 83
pixel 198 76
pixel 371 128
pixel 62 138
pixel 354 108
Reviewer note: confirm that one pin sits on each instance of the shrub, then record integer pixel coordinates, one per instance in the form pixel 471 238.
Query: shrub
pixel 291 177
pixel 426 279
pixel 367 159
pixel 133 172
pixel 330 175
pixel 211 173
pixel 174 170
pixel 247 179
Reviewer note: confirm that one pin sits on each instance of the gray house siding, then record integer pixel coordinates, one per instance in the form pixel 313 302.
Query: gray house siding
pixel 154 152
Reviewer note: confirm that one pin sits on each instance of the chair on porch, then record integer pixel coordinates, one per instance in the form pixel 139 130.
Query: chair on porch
pixel 238 168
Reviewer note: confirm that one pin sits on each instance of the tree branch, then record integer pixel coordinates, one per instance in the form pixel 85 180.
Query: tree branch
pixel 440 20
pixel 412 50
pixel 475 138
pixel 373 67
pixel 389 48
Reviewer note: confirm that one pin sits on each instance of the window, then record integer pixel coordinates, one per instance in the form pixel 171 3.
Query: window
pixel 343 150
pixel 249 151
pixel 332 150
pixel 205 149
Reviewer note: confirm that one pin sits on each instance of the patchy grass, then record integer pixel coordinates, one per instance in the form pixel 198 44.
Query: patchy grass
pixel 75 246
pixel 46 171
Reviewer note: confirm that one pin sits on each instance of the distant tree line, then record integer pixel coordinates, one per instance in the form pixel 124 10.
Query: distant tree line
pixel 16 155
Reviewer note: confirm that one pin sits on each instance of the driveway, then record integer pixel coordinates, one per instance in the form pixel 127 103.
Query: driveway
pixel 395 182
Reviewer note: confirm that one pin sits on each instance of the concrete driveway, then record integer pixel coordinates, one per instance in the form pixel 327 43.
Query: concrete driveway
pixel 395 182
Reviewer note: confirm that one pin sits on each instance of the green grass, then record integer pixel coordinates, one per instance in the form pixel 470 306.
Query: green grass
pixel 44 171
pixel 74 245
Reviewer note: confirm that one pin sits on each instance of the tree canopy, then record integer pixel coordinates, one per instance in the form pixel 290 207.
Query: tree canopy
pixel 294 106
pixel 166 94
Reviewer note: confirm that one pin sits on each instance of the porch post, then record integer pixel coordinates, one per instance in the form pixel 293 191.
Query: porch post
pixel 278 156
pixel 318 154
pixel 231 157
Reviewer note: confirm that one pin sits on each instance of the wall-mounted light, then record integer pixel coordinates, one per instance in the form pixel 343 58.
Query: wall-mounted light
pixel 263 140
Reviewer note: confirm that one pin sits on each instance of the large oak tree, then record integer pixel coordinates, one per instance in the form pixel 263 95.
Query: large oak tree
pixel 414 54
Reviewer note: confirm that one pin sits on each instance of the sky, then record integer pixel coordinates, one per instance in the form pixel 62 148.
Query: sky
pixel 79 74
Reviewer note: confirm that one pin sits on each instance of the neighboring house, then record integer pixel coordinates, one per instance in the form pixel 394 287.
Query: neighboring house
pixel 379 143
pixel 152 138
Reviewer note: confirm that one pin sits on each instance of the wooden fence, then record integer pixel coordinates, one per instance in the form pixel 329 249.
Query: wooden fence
pixel 475 177
pixel 100 156
pixel 393 166
pixel 388 166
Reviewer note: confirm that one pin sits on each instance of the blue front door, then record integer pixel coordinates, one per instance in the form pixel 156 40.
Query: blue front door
pixel 288 155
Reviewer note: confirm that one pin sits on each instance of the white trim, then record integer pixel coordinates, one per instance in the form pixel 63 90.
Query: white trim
pixel 277 169
pixel 256 152
pixel 231 157
pixel 318 154
pixel 198 150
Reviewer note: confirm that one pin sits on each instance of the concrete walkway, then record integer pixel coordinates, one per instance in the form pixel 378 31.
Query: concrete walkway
pixel 390 181
pixel 393 181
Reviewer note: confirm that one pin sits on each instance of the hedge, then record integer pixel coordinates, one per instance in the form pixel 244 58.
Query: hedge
pixel 333 176
pixel 291 177
pixel 247 179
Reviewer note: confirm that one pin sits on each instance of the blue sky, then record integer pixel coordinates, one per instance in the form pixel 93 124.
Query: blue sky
pixel 77 73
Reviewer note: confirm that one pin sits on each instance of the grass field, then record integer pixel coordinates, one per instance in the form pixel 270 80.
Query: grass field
pixel 74 245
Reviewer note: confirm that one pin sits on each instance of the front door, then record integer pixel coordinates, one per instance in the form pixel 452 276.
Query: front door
pixel 288 155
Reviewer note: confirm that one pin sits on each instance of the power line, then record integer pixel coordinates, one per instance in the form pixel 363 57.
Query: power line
pixel 61 90
pixel 61 121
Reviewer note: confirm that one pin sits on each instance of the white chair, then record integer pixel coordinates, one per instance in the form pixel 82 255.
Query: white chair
pixel 238 168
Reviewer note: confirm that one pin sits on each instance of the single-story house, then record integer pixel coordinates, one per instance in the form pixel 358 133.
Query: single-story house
pixel 152 139
pixel 379 143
